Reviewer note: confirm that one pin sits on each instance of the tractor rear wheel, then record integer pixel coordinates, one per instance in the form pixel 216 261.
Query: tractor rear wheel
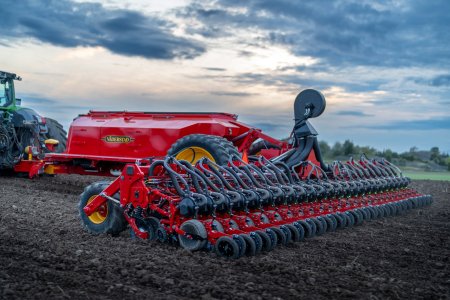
pixel 57 132
pixel 196 146
pixel 107 219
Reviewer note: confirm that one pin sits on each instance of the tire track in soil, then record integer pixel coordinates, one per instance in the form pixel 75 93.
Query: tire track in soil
pixel 45 253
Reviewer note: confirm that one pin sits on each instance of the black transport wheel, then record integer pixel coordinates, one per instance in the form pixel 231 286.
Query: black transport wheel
pixel 227 247
pixel 56 132
pixel 196 146
pixel 196 237
pixel 107 219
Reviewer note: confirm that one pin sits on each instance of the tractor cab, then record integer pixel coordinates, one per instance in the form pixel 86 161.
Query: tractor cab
pixel 8 99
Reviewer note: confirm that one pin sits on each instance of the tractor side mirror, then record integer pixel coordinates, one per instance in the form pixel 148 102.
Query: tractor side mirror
pixel 18 102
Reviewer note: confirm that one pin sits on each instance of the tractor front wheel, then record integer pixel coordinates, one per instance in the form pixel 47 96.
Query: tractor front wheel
pixel 107 219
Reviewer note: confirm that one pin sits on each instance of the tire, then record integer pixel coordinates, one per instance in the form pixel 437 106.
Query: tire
pixel 295 234
pixel 195 146
pixel 228 146
pixel 357 216
pixel 350 219
pixel 193 227
pixel 310 228
pixel 257 146
pixel 331 222
pixel 109 219
pixel 57 132
pixel 341 220
pixel 366 214
pixel 250 245
pixel 283 234
pixel 266 241
pixel 300 229
pixel 258 242
pixel 241 244
pixel 273 237
pixel 319 225
pixel 227 247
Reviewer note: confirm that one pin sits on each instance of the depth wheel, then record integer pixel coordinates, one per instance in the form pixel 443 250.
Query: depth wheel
pixel 319 225
pixel 250 245
pixel 258 242
pixel 295 234
pixel 196 237
pixel 266 241
pixel 227 247
pixel 107 219
pixel 241 244
pixel 341 220
pixel 300 229
pixel 273 237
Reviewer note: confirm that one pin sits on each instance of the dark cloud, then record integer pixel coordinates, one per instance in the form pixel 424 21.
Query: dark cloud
pixel 429 124
pixel 216 69
pixel 69 24
pixel 352 113
pixel 384 101
pixel 232 94
pixel 441 80
pixel 383 33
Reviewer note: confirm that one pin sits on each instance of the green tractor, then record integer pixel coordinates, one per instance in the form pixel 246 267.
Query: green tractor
pixel 23 132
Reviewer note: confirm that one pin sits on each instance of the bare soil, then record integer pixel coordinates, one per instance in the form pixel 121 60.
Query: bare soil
pixel 44 253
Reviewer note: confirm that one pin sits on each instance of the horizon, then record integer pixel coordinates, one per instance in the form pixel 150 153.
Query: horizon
pixel 383 66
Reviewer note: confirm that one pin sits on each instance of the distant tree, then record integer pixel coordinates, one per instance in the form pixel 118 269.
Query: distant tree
pixel 369 151
pixel 348 148
pixel 435 155
pixel 388 154
pixel 337 149
pixel 325 149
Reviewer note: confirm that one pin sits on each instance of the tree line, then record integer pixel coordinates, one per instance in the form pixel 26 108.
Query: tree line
pixel 432 159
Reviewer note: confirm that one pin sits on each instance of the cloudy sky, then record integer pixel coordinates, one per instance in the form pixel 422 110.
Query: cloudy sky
pixel 383 66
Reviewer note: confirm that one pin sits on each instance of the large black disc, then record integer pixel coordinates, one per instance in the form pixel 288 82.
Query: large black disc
pixel 309 104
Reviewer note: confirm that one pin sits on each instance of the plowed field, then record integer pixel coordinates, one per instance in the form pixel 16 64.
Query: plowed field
pixel 44 253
